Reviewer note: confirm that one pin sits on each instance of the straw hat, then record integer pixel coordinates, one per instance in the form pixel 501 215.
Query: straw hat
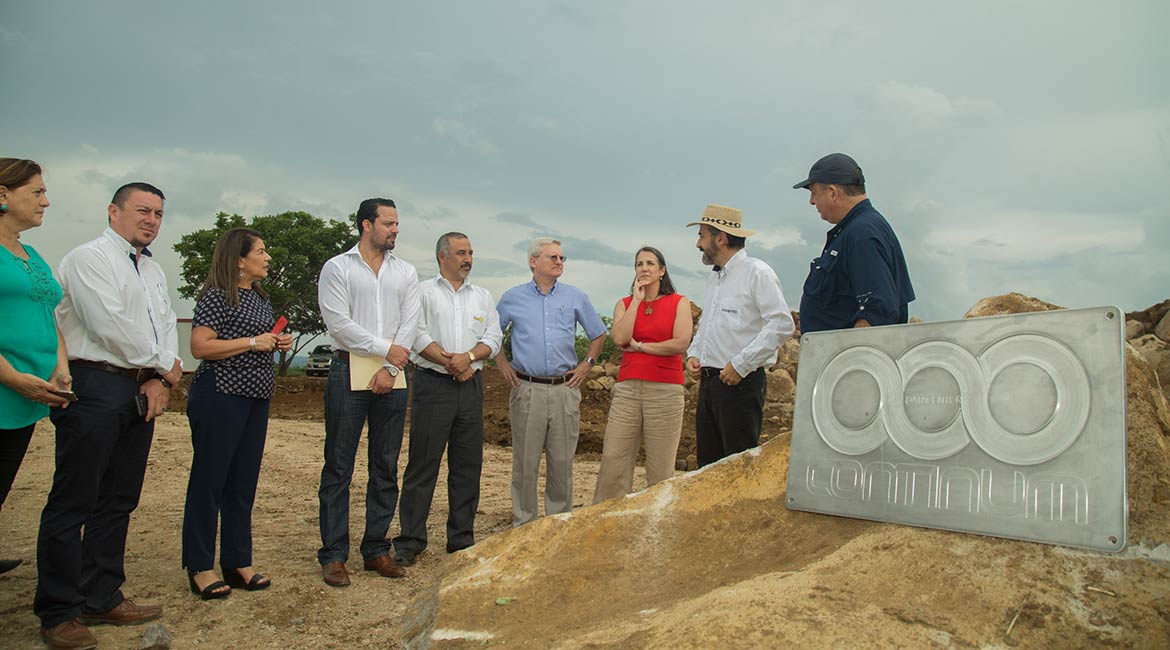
pixel 721 217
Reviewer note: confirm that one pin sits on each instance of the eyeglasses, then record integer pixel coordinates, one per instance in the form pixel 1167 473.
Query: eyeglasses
pixel 562 258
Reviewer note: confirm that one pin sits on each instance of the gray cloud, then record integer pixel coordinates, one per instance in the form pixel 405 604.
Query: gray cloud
pixel 1009 157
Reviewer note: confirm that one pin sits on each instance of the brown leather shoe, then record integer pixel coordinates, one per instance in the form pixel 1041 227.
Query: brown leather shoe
pixel 385 566
pixel 335 574
pixel 70 635
pixel 126 613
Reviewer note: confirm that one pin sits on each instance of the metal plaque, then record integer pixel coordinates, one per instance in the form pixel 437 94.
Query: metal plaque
pixel 1011 426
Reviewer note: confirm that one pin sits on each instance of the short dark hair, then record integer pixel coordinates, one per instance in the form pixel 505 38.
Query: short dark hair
pixel 665 286
pixel 126 190
pixel 17 172
pixel 855 189
pixel 368 211
pixel 735 242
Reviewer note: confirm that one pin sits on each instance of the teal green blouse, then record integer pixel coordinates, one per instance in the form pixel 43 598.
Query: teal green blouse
pixel 28 295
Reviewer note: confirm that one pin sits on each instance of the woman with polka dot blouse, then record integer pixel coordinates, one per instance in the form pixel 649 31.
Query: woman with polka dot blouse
pixel 228 411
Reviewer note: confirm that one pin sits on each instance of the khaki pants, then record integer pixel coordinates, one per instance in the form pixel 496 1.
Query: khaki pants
pixel 641 411
pixel 544 419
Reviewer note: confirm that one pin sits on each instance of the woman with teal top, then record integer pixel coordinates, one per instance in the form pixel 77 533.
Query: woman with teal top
pixel 34 371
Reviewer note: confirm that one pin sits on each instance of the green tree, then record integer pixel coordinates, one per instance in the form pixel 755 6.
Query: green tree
pixel 299 244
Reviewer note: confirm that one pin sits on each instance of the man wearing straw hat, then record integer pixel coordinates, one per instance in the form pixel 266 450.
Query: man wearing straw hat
pixel 745 321
pixel 860 278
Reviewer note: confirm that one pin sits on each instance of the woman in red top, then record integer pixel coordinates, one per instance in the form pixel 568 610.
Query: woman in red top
pixel 653 328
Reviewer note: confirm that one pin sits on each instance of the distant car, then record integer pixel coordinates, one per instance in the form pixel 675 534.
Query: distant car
pixel 319 360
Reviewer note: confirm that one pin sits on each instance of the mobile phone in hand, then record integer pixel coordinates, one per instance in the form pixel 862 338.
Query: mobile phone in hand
pixel 67 394
pixel 140 404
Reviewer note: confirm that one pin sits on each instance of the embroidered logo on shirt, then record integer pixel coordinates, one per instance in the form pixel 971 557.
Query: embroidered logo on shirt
pixel 478 319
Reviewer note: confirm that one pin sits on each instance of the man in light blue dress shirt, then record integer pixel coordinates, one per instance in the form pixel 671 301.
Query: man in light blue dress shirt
pixel 545 376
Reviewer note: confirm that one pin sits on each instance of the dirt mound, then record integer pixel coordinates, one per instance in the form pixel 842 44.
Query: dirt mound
pixel 714 559
pixel 1010 303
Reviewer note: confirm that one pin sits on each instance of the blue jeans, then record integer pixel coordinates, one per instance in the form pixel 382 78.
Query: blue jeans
pixel 345 413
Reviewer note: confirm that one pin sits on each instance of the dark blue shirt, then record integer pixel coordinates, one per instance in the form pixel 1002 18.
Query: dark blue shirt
pixel 860 274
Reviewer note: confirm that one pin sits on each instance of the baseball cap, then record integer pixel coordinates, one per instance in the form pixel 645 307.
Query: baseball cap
pixel 835 168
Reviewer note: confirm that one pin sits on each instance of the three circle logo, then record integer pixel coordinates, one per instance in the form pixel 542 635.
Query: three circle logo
pixel 1024 400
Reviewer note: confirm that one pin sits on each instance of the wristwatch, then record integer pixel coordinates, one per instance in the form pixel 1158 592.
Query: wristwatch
pixel 471 355
pixel 164 382
pixel 393 370
pixel 591 361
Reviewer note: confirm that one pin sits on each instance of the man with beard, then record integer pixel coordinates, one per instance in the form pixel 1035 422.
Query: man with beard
pixel 458 328
pixel 369 301
pixel 745 321
pixel 118 326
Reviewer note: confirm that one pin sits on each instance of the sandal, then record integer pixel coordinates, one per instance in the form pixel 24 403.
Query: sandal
pixel 234 579
pixel 209 592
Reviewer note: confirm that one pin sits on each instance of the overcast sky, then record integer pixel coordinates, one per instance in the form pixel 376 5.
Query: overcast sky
pixel 1013 146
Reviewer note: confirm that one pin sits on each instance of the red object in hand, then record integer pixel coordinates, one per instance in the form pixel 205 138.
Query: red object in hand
pixel 281 323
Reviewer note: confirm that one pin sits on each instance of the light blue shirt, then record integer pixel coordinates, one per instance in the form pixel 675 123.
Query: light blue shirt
pixel 544 327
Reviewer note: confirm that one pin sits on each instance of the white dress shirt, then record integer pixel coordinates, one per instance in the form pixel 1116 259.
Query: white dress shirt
pixel 745 318
pixel 456 320
pixel 112 311
pixel 362 310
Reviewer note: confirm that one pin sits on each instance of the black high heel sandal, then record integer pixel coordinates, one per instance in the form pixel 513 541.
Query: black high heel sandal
pixel 209 592
pixel 235 580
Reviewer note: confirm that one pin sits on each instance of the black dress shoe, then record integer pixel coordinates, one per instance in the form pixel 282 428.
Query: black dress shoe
pixel 404 557
pixel 8 565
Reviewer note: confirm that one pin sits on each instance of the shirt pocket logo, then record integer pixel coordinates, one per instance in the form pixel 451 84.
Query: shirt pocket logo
pixel 822 275
pixel 478 323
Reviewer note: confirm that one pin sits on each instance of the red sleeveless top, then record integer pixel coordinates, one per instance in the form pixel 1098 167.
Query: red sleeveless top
pixel 656 327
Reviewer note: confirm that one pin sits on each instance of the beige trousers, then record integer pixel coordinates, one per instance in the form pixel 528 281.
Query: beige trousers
pixel 545 419
pixel 648 412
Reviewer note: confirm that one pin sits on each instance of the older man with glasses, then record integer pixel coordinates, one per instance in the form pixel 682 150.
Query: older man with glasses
pixel 545 376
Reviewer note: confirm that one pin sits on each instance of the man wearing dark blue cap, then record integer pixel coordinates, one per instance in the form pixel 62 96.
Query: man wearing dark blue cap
pixel 860 277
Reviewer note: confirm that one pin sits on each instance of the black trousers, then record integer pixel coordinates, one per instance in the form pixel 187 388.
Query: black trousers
pixel 728 418
pixel 227 441
pixel 13 445
pixel 443 414
pixel 102 446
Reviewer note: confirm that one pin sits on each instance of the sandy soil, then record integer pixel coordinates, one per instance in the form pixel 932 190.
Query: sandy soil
pixel 299 611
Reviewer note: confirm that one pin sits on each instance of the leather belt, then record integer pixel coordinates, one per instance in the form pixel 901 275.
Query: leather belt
pixel 140 375
pixel 548 381
pixel 430 371
pixel 708 371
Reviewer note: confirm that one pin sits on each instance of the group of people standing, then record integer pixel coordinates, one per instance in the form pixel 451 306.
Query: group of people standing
pixel 97 350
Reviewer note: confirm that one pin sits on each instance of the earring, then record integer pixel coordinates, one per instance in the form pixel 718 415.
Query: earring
pixel 3 208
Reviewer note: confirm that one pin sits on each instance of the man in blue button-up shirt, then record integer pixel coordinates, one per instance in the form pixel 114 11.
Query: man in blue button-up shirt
pixel 545 376
pixel 860 278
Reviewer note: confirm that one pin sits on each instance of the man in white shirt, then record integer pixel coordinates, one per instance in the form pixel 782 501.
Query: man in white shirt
pixel 745 321
pixel 458 328
pixel 369 301
pixel 119 328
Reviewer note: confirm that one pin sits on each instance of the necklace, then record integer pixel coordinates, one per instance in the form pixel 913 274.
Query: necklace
pixel 650 306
